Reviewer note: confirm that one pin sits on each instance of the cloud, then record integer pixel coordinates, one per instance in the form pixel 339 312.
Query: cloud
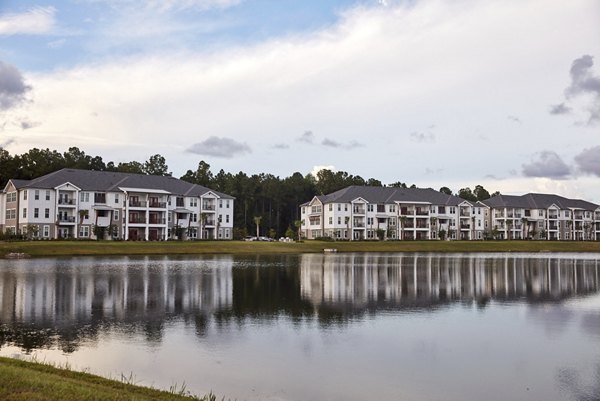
pixel 27 124
pixel 558 109
pixel 12 86
pixel 338 145
pixel 281 146
pixel 584 83
pixel 316 169
pixel 307 137
pixel 515 119
pixel 219 147
pixel 422 137
pixel 36 21
pixel 7 142
pixel 588 161
pixel 172 5
pixel 547 164
pixel 56 44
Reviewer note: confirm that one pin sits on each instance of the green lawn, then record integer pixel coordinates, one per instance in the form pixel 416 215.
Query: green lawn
pixel 26 381
pixel 72 248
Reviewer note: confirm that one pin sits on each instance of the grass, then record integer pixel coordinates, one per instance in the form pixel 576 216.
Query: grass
pixel 28 381
pixel 76 248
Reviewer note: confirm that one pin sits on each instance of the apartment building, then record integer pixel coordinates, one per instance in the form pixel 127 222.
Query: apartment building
pixel 357 213
pixel 543 216
pixel 362 212
pixel 72 203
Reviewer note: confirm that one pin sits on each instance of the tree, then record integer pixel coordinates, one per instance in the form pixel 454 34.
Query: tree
pixel 257 220
pixel 402 220
pixel 298 225
pixel 203 220
pixel 467 194
pixel 131 167
pixel 446 190
pixel 156 165
pixel 202 175
pixel 481 193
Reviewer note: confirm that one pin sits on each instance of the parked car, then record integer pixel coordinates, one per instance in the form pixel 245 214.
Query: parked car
pixel 250 238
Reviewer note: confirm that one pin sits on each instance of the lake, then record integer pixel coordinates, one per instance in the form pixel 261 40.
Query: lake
pixel 317 327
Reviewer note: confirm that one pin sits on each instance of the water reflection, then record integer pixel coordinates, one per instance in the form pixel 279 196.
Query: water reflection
pixel 60 303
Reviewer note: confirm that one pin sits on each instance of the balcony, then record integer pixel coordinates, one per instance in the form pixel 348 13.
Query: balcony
pixel 465 212
pixel 137 219
pixel 553 226
pixel 157 205
pixel 509 214
pixel 66 219
pixel 499 215
pixel 136 203
pixel 423 225
pixel 465 226
pixel 208 206
pixel 211 222
pixel 359 225
pixel 578 216
pixel 406 211
pixel 358 210
pixel 553 215
pixel 156 220
pixel 70 202
pixel 422 212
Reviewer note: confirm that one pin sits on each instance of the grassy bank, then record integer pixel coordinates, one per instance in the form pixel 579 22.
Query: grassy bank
pixel 74 248
pixel 26 381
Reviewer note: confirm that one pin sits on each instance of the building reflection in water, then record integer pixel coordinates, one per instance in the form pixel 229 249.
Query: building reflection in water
pixel 399 280
pixel 45 303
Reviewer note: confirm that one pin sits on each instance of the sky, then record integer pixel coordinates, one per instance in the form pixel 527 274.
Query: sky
pixel 456 93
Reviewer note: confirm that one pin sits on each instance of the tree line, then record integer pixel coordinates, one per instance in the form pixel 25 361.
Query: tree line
pixel 275 200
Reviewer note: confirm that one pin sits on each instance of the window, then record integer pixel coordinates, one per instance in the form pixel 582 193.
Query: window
pixel 36 194
pixel 370 221
pixel 369 208
pixel 331 207
pixel 36 212
pixel 84 231
pixel 339 207
pixel 541 213
pixel 220 203
pixel 25 195
pixel 330 220
pixel 370 234
pixel 116 215
pixel 452 210
pixel 179 202
pixel 226 218
pixel 432 209
pixel 194 217
pixel 46 231
pixel 99 197
pixel 345 208
pixel 220 218
pixel 84 197
pixel 339 220
pixel 47 195
pixel 47 213
pixel 227 205
pixel 303 210
pixel 227 232
pixel 24 212
pixel 11 197
pixel 116 198
pixel 11 214
pixel 193 202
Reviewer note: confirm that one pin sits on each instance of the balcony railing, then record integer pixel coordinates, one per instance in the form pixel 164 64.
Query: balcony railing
pixel 465 226
pixel 66 219
pixel 66 201
pixel 156 220
pixel 578 216
pixel 553 215
pixel 157 205
pixel 211 222
pixel 137 219
pixel 358 210
pixel 133 203
pixel 499 215
pixel 208 207
pixel 465 212
pixel 407 211
pixel 422 212
pixel 359 225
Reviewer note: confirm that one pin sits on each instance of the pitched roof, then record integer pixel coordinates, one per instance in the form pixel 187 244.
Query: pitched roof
pixel 390 195
pixel 538 201
pixel 89 180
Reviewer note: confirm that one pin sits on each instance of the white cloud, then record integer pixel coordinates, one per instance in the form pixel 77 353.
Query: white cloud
pixel 374 76
pixel 315 170
pixel 170 5
pixel 36 21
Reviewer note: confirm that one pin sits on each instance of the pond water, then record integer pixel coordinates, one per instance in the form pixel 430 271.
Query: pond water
pixel 317 327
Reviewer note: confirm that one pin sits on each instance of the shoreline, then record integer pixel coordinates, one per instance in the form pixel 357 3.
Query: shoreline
pixel 26 249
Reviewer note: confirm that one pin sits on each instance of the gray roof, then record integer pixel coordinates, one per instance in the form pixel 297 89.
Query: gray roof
pixel 89 180
pixel 538 201
pixel 390 195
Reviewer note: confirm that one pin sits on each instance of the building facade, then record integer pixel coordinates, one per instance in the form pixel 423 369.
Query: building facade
pixel 543 216
pixel 72 203
pixel 359 213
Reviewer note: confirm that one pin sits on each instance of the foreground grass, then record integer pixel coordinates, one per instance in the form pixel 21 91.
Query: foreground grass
pixel 27 381
pixel 74 248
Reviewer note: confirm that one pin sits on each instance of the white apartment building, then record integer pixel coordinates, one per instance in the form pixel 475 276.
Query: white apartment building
pixel 361 212
pixel 543 216
pixel 72 203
